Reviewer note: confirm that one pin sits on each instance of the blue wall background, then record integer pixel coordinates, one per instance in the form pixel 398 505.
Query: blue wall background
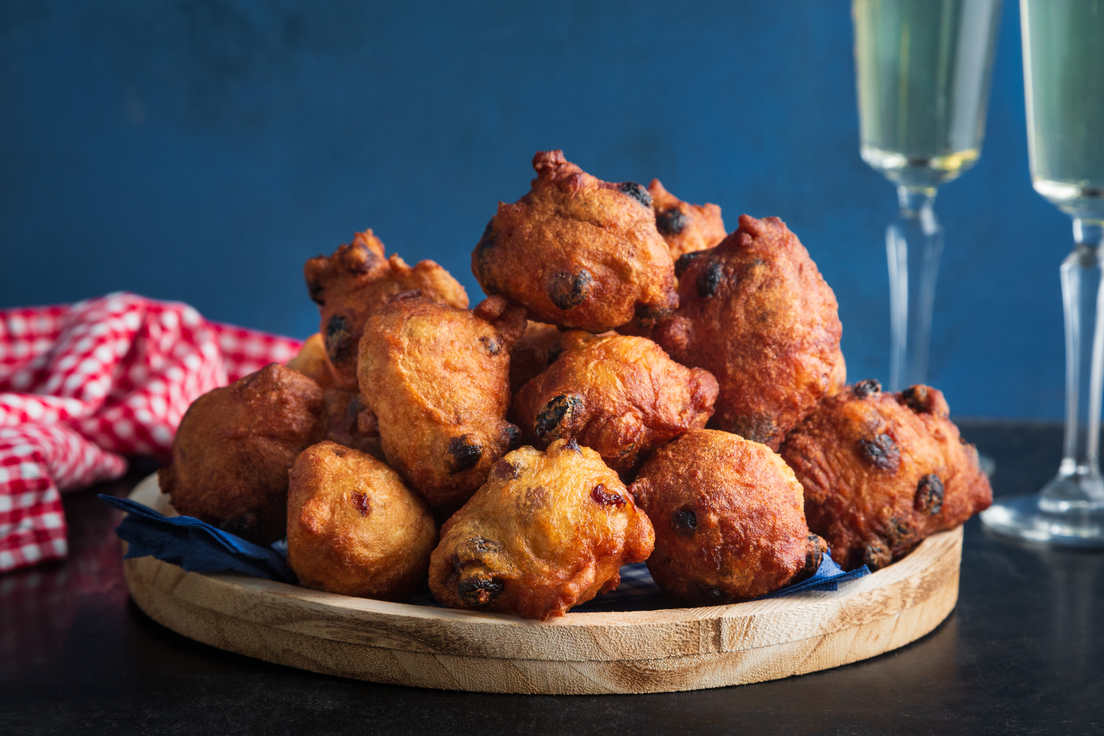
pixel 202 151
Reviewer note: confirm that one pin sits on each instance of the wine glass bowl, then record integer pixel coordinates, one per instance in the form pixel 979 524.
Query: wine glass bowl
pixel 1063 77
pixel 924 69
pixel 1063 48
pixel 919 171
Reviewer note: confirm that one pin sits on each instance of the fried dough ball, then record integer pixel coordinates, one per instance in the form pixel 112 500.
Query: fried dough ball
pixel 534 351
pixel 577 251
pixel 343 406
pixel 348 422
pixel 620 396
pixel 882 471
pixel 355 282
pixel 353 528
pixel 437 379
pixel 548 531
pixel 756 313
pixel 234 447
pixel 838 380
pixel 311 361
pixel 728 519
pixel 686 227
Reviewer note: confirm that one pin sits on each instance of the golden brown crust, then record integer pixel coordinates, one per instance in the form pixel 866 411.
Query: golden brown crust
pixel 727 515
pixel 311 361
pixel 355 282
pixel 756 313
pixel 577 251
pixel 538 346
pixel 349 422
pixel 838 380
pixel 883 471
pixel 620 396
pixel 548 531
pixel 353 528
pixel 685 227
pixel 437 380
pixel 234 447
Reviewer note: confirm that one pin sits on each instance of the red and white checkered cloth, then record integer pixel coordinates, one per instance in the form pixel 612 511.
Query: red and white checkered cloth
pixel 82 385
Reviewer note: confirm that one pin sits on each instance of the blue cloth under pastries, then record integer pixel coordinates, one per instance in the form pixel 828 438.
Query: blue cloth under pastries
pixel 198 546
pixel 194 545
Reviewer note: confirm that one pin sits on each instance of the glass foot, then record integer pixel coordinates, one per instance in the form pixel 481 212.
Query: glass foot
pixel 1047 520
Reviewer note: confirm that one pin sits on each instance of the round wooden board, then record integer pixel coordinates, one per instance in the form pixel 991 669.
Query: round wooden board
pixel 580 653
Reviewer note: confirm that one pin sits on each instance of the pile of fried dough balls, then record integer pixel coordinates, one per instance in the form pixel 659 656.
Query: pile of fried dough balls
pixel 639 385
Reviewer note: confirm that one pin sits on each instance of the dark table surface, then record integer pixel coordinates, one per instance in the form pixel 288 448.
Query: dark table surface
pixel 1023 652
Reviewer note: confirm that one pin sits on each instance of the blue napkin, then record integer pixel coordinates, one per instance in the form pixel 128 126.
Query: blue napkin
pixel 827 577
pixel 197 546
pixel 638 592
pixel 194 545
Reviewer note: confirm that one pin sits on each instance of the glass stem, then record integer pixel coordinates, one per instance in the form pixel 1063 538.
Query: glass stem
pixel 1083 299
pixel 914 246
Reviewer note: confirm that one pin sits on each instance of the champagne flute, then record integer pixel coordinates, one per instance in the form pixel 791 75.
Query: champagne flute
pixel 1063 51
pixel 924 71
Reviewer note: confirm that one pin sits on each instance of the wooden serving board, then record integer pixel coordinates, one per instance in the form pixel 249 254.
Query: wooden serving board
pixel 580 653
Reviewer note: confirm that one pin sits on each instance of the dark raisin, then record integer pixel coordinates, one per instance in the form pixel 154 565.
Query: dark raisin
pixel 360 258
pixel 339 451
pixel 606 498
pixel 647 315
pixel 815 549
pixel 918 398
pixel 709 280
pixel 881 452
pixel 686 521
pixel 512 435
pixel 876 555
pixel 340 345
pixel 493 346
pixel 552 415
pixel 315 288
pixel 479 591
pixel 685 260
pixel 637 192
pixel 362 504
pixel 465 453
pixel 573 445
pixel 869 387
pixel 671 221
pixel 536 498
pixel 568 290
pixel 504 470
pixel 756 429
pixel 929 494
pixel 900 533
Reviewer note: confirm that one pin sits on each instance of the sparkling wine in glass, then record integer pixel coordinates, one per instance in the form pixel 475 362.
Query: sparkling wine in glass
pixel 1063 53
pixel 924 70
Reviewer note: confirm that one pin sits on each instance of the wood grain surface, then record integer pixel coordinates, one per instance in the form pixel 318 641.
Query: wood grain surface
pixel 633 652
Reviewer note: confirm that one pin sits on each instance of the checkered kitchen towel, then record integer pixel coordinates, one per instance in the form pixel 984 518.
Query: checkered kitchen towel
pixel 82 385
